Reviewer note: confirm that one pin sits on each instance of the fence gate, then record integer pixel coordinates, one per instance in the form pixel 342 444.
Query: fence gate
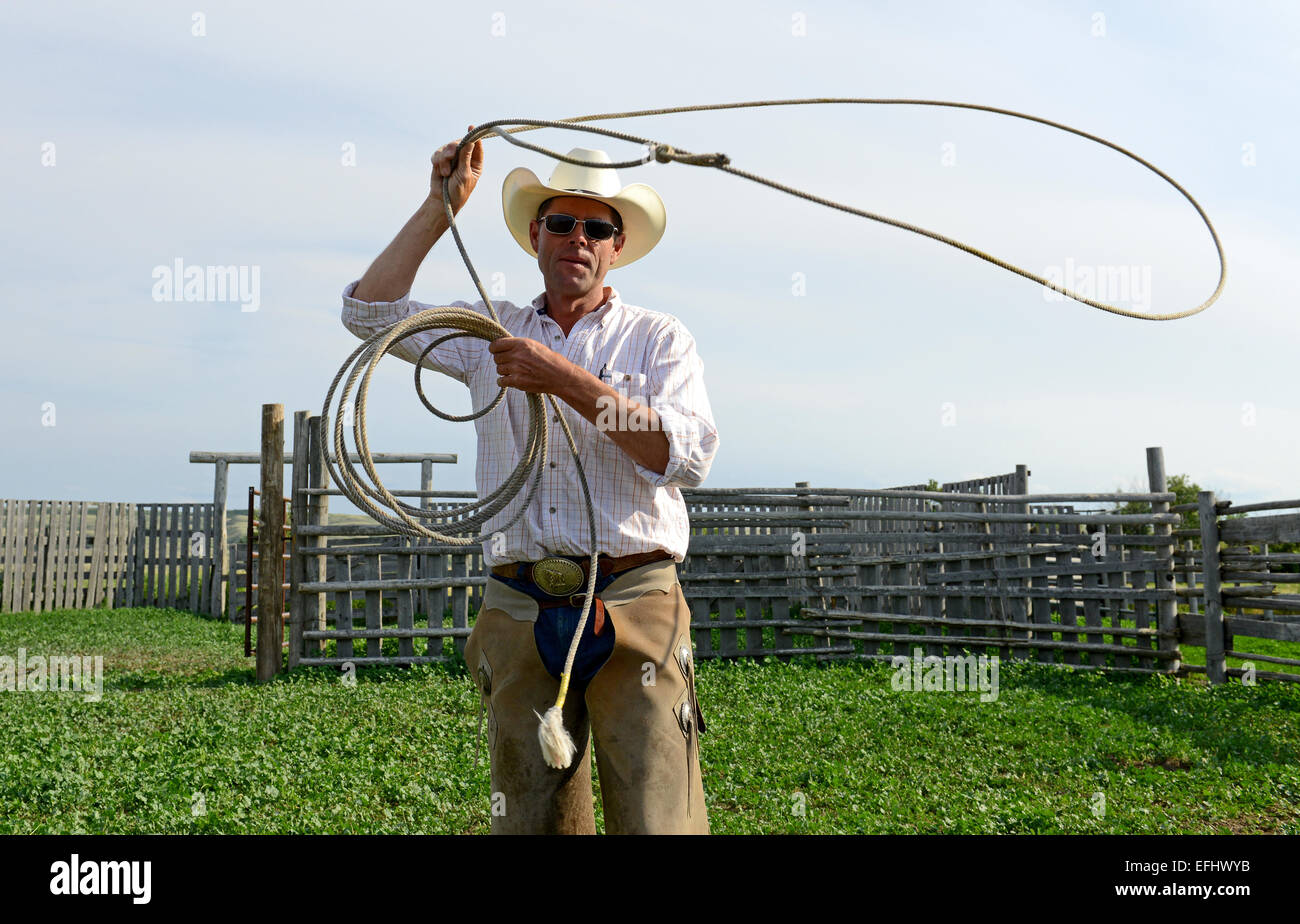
pixel 1258 585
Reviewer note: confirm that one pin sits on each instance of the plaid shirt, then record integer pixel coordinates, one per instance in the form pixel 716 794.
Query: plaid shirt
pixel 646 356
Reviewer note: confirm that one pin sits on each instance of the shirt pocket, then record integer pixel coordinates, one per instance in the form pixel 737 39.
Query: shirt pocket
pixel 630 385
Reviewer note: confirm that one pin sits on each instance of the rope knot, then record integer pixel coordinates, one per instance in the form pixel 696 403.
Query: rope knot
pixel 664 153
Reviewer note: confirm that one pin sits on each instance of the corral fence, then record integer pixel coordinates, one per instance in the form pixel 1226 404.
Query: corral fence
pixel 979 565
pixel 844 573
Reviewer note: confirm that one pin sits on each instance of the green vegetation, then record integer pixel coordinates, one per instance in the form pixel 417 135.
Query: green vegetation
pixel 183 741
pixel 1186 491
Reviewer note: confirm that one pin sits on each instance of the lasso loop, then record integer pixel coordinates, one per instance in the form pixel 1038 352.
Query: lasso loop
pixel 664 153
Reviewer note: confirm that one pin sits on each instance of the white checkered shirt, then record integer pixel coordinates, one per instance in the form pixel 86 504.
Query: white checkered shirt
pixel 647 356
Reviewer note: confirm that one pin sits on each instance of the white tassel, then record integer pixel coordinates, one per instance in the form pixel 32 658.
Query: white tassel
pixel 557 747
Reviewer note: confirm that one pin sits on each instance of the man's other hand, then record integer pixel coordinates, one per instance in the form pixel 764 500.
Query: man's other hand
pixel 529 366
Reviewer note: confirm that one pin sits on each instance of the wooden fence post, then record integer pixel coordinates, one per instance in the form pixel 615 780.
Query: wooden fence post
pixel 6 590
pixel 219 541
pixel 270 566
pixel 806 584
pixel 41 549
pixel 318 512
pixel 1193 602
pixel 1021 608
pixel 298 510
pixel 231 593
pixel 426 597
pixel 137 597
pixel 1162 561
pixel 1215 663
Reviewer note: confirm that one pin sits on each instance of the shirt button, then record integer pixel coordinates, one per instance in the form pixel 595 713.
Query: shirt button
pixel 552 465
pixel 552 510
pixel 556 418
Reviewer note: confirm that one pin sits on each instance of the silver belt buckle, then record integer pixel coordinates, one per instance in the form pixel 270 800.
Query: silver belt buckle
pixel 558 577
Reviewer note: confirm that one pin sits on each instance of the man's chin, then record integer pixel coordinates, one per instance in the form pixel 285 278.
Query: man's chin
pixel 576 284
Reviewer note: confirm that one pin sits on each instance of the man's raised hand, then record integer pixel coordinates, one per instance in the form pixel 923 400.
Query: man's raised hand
pixel 463 174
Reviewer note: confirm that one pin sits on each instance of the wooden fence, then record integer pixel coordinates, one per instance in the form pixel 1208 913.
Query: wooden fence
pixel 82 554
pixel 979 565
pixel 231 568
pixel 1257 584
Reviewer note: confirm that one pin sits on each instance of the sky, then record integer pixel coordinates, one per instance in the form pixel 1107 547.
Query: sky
pixel 293 140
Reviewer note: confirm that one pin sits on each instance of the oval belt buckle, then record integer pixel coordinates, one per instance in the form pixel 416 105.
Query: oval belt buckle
pixel 558 577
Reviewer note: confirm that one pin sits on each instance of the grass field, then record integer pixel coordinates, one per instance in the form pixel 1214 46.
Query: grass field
pixel 183 741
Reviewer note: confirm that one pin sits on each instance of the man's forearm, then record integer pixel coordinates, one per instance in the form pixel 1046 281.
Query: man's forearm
pixel 634 427
pixel 393 271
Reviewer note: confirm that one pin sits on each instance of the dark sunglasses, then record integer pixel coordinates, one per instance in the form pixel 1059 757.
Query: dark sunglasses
pixel 597 229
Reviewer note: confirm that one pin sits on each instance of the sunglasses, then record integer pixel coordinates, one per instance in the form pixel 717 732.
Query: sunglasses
pixel 597 229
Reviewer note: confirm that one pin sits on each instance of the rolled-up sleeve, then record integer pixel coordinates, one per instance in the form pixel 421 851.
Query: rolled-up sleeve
pixel 675 382
pixel 365 319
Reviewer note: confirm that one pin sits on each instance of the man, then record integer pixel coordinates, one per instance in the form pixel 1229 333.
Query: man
pixel 632 386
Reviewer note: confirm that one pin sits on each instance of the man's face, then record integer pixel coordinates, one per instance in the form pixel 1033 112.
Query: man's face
pixel 573 263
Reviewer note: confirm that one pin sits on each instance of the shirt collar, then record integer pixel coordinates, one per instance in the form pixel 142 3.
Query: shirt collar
pixel 601 314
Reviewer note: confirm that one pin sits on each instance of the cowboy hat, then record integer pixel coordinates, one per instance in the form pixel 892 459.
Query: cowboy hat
pixel 640 206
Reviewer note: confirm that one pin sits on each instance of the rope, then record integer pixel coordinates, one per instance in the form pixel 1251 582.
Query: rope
pixel 665 153
pixel 557 746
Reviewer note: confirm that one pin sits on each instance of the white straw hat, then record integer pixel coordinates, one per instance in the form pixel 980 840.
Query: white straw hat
pixel 639 205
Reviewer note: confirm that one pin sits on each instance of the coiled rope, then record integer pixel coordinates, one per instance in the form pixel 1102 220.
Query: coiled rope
pixel 557 747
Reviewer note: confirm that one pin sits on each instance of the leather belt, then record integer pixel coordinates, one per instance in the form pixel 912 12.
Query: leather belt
pixel 606 565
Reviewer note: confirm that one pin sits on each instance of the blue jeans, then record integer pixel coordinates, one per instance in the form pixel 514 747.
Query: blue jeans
pixel 553 633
